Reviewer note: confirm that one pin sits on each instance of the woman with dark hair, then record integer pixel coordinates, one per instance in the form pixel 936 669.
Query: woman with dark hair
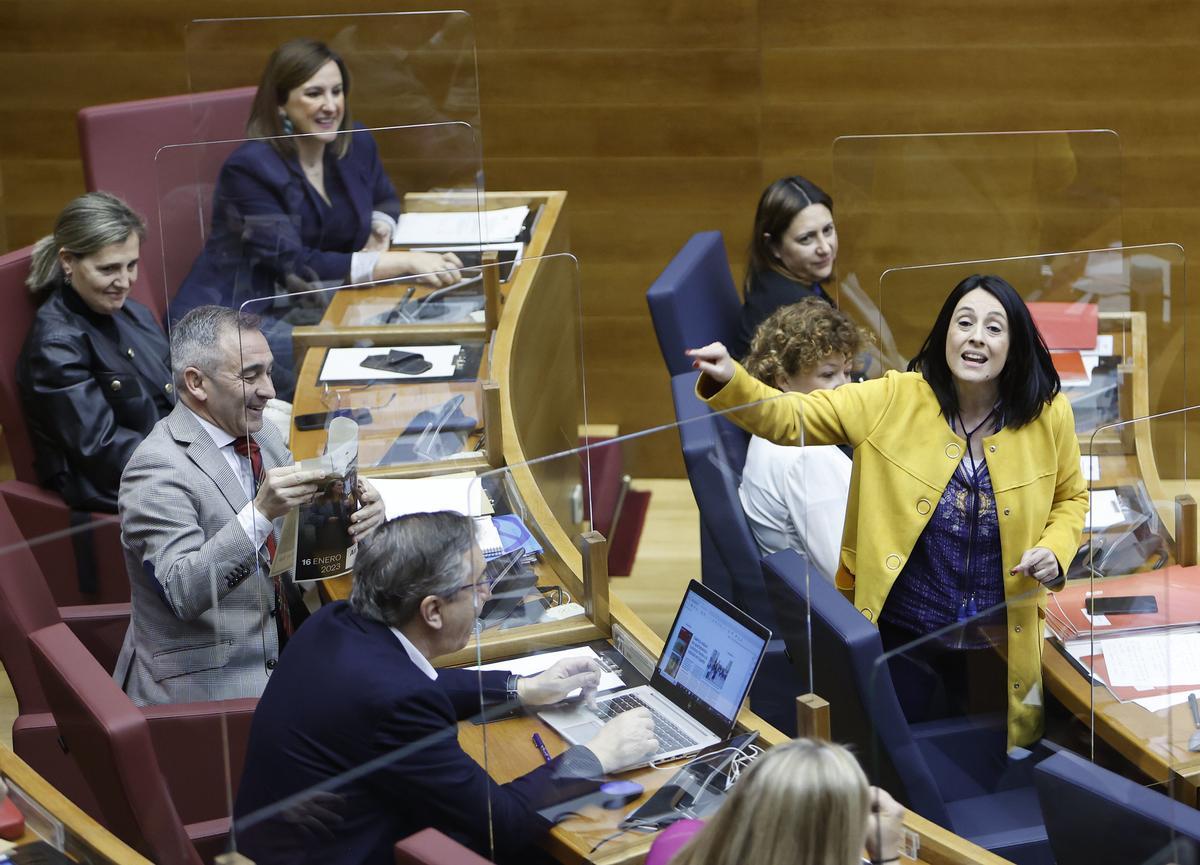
pixel 305 204
pixel 95 373
pixel 966 492
pixel 792 251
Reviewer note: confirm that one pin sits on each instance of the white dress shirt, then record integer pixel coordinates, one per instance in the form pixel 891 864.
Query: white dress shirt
pixel 256 526
pixel 417 658
pixel 795 498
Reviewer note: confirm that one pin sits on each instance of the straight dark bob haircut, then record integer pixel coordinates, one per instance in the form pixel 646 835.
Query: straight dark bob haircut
pixel 1028 381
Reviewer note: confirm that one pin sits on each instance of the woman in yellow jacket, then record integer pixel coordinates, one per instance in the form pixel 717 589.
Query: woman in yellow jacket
pixel 966 490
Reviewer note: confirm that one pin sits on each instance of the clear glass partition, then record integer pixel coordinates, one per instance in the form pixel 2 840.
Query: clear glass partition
pixel 232 232
pixel 547 589
pixel 1126 620
pixel 1115 321
pixel 910 199
pixel 406 69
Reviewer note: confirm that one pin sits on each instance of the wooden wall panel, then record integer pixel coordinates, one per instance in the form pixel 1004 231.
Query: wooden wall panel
pixel 666 117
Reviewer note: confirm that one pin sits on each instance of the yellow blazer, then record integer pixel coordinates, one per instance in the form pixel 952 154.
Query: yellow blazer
pixel 904 455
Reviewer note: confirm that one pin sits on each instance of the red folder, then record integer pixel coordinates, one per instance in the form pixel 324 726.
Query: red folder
pixel 1067 326
pixel 1070 366
pixel 1176 590
pixel 12 822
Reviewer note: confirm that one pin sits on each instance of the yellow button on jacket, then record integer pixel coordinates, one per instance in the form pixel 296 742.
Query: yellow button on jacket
pixel 904 454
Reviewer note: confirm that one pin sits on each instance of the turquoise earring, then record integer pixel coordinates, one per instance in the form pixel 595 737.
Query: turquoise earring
pixel 285 123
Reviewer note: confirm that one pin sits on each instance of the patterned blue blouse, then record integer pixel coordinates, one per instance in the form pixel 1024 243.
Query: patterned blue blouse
pixel 955 569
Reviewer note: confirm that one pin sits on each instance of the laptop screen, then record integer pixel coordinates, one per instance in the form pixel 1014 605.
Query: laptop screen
pixel 710 659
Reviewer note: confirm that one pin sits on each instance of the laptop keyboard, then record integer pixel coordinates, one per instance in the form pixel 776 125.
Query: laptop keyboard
pixel 670 737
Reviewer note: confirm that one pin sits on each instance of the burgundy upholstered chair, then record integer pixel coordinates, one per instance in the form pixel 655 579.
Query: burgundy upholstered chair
pixel 125 754
pixel 431 847
pixel 41 513
pixel 26 606
pixel 119 144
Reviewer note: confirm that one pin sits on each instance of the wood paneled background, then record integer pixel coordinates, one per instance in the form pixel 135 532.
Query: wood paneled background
pixel 666 117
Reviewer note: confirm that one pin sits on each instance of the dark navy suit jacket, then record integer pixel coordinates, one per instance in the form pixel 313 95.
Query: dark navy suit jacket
pixel 348 709
pixel 269 223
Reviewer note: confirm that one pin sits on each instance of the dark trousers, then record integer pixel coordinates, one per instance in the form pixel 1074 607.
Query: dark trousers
pixel 933 680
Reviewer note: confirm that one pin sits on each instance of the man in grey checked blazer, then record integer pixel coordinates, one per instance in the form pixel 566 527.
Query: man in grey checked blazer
pixel 195 525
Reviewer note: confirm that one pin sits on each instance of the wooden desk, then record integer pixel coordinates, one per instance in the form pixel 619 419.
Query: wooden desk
pixel 1154 742
pixel 86 840
pixel 393 405
pixel 511 754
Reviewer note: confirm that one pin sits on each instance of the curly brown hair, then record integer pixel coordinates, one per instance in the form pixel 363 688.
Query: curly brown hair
pixel 797 337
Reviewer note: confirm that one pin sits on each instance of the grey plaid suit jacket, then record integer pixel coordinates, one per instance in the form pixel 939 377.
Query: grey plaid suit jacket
pixel 201 626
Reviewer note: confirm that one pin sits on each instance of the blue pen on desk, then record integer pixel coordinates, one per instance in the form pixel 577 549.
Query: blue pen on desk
pixel 541 746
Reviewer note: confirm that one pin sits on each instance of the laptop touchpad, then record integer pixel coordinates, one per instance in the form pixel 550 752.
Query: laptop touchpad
pixel 581 733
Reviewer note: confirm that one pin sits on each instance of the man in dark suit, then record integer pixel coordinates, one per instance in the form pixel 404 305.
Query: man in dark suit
pixel 355 744
pixel 199 501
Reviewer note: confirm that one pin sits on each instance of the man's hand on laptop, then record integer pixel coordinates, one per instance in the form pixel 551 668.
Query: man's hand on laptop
pixel 556 683
pixel 626 740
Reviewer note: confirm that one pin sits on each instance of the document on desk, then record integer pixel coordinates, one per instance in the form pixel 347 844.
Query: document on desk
pixel 345 364
pixel 531 665
pixel 1105 510
pixel 462 227
pixel 1151 661
pixel 460 493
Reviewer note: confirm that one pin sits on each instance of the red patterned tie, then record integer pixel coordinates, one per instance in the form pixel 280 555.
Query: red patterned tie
pixel 248 447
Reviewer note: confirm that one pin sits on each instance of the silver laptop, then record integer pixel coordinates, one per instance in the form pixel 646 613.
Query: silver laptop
pixel 698 686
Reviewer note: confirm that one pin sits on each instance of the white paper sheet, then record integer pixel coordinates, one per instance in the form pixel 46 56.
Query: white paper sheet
pixel 460 227
pixel 534 664
pixel 462 495
pixel 345 364
pixel 1166 701
pixel 1090 466
pixel 1152 660
pixel 1105 510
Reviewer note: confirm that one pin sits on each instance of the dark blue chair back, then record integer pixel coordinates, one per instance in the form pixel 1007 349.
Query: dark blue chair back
pixel 846 652
pixel 714 451
pixel 694 301
pixel 1093 815
pixel 953 771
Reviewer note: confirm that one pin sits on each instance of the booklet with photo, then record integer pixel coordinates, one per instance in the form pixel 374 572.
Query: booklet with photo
pixel 315 540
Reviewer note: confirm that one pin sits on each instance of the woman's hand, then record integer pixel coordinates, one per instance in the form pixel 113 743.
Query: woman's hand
pixel 1039 564
pixel 437 269
pixel 884 826
pixel 713 360
pixel 380 239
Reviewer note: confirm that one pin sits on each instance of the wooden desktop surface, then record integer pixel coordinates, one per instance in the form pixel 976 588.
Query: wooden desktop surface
pixel 392 404
pixel 510 753
pixel 87 840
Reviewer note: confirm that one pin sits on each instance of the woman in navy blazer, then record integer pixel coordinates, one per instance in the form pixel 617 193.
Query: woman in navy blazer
pixel 305 204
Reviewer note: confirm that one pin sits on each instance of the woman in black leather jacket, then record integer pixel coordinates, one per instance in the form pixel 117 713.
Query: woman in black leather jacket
pixel 95 372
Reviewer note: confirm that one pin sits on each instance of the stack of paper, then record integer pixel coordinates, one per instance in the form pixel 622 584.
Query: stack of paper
pixel 531 665
pixel 461 227
pixel 462 494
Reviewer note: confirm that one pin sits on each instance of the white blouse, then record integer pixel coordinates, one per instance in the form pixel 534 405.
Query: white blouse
pixel 795 497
